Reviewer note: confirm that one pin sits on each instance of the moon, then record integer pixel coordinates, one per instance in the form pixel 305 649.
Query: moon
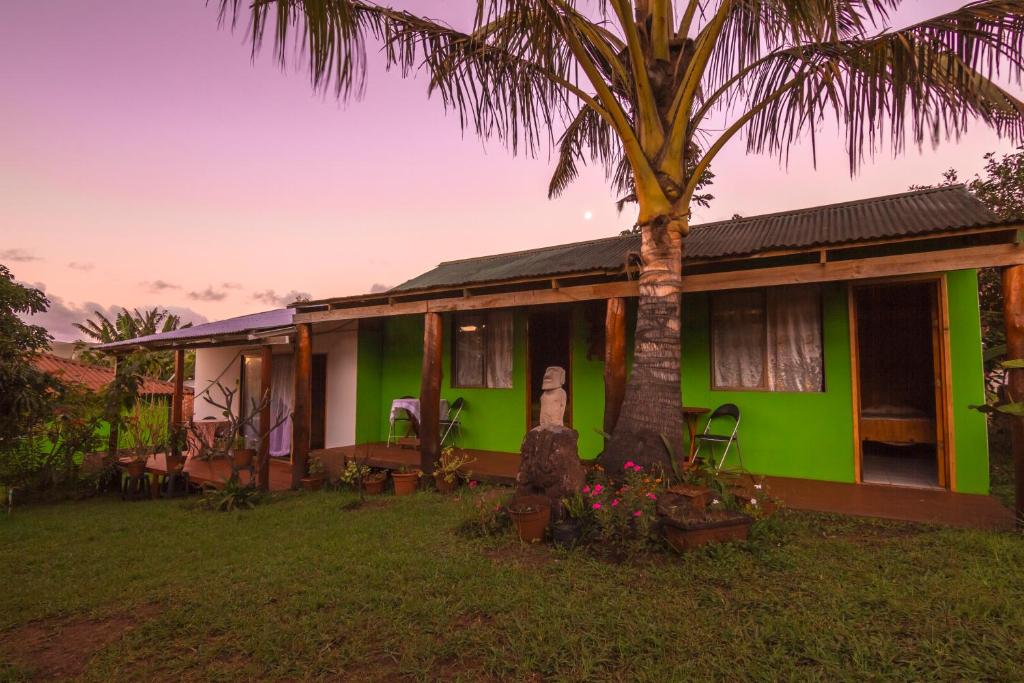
pixel 587 215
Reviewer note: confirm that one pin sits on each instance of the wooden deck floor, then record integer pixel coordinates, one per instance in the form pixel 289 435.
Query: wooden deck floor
pixel 217 471
pixel 930 506
pixel 489 466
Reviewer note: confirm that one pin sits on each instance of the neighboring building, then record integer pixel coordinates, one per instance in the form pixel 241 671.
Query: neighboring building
pixel 848 335
pixel 96 377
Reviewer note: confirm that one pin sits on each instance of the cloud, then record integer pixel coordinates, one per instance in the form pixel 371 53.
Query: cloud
pixel 272 298
pixel 60 316
pixel 231 285
pixel 160 285
pixel 80 265
pixel 377 288
pixel 208 294
pixel 17 255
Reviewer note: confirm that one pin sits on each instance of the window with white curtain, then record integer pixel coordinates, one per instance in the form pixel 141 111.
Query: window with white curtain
pixel 767 339
pixel 482 350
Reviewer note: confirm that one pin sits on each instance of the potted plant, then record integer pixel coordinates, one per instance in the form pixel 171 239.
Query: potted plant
pixel 448 470
pixel 530 515
pixel 316 474
pixel 145 434
pixel 242 455
pixel 373 483
pixel 353 474
pixel 567 531
pixel 405 480
pixel 686 532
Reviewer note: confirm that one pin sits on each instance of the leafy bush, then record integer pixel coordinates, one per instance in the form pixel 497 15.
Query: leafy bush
pixel 233 496
pixel 483 513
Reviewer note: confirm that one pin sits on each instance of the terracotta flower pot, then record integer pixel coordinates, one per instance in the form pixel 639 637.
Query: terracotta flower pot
pixel 243 457
pixel 530 520
pixel 175 463
pixel 134 468
pixel 405 482
pixel 374 486
pixel 445 486
pixel 313 483
pixel 685 535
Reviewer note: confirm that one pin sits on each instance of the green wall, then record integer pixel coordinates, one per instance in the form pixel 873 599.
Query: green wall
pixel 791 434
pixel 970 429
pixel 787 434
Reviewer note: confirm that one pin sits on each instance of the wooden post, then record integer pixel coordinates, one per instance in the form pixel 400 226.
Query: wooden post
pixel 614 361
pixel 263 461
pixel 430 393
pixel 1013 316
pixel 112 435
pixel 177 418
pixel 302 410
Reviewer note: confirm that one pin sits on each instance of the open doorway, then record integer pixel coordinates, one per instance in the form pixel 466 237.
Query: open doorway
pixel 899 383
pixel 549 344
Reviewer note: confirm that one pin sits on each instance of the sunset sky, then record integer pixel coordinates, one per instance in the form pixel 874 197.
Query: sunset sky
pixel 145 160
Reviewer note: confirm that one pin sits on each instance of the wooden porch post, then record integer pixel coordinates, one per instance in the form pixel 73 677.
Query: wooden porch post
pixel 266 367
pixel 1013 316
pixel 430 393
pixel 302 413
pixel 112 435
pixel 614 361
pixel 178 395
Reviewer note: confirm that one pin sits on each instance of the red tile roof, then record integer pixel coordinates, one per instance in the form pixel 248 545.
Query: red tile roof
pixel 95 377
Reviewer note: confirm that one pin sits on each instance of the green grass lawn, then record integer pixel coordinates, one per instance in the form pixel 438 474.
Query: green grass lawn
pixel 302 589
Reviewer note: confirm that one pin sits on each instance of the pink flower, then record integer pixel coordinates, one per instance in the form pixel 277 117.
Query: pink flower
pixel 598 488
pixel 596 506
pixel 652 496
pixel 637 468
pixel 638 513
pixel 586 489
pixel 629 465
pixel 472 484
pixel 615 502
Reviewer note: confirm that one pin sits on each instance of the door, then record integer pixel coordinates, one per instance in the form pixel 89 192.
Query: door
pixel 548 344
pixel 899 381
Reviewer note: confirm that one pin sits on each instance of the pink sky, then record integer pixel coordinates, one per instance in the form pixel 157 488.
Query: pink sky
pixel 141 145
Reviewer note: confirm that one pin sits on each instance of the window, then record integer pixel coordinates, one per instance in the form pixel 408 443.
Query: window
pixel 482 350
pixel 767 339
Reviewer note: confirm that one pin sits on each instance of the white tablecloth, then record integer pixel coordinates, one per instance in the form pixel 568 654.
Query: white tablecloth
pixel 412 406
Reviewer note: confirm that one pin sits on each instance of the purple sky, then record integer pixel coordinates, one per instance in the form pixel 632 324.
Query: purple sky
pixel 145 160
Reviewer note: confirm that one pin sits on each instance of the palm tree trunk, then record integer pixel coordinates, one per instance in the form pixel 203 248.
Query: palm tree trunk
pixel 650 412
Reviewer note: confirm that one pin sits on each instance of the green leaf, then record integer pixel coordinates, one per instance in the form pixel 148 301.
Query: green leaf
pixel 1016 409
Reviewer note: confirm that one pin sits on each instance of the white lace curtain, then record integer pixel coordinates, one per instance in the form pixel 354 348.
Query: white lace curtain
pixel 483 350
pixel 282 392
pixel 768 339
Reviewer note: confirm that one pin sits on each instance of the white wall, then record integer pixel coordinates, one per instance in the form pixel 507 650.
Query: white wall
pixel 222 365
pixel 341 346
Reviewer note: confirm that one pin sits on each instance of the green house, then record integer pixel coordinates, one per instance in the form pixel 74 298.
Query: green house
pixel 848 336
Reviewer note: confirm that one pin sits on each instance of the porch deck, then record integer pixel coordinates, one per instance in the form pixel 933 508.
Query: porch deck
pixel 929 506
pixel 217 471
pixel 490 466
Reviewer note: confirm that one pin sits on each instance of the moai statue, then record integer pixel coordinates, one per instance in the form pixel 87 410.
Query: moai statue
pixel 553 399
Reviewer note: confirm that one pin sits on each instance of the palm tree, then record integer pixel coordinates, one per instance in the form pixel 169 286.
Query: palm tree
pixel 129 325
pixel 652 90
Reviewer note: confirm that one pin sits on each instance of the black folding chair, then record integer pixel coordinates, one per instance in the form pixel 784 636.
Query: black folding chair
pixel 451 421
pixel 726 410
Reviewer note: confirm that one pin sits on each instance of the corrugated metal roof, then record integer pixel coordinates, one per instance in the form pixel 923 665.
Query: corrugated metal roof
pixel 911 213
pixel 94 377
pixel 254 322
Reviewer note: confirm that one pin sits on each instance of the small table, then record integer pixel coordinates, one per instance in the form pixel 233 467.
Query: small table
pixel 690 415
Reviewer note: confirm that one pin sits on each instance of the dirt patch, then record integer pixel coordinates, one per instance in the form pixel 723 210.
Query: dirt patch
pixel 62 647
pixel 521 555
pixel 374 503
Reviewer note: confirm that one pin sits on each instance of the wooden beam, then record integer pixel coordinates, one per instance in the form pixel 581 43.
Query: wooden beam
pixel 430 392
pixel 177 398
pixel 1013 314
pixel 302 410
pixel 266 374
pixel 831 271
pixel 614 361
pixel 859 269
pixel 112 435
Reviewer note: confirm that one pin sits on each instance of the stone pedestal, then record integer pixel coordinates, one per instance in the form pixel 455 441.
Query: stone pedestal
pixel 550 466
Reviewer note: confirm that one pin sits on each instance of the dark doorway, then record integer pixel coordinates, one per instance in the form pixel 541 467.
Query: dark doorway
pixel 550 338
pixel 318 419
pixel 899 384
